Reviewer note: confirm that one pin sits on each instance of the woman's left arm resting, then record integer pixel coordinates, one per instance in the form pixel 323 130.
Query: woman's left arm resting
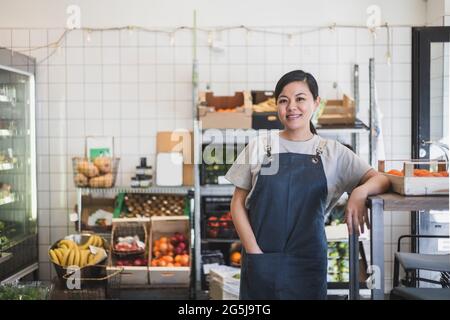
pixel 356 214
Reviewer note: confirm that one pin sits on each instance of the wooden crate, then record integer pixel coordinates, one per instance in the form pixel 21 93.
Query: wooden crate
pixel 167 226
pixel 410 185
pixel 131 275
pixel 338 112
pixel 225 112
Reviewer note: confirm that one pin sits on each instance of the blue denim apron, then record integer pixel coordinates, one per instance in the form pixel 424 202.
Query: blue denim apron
pixel 286 213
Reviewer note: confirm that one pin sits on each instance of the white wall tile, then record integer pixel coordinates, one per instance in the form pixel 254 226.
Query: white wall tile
pixel 256 55
pixel 92 55
pixel 129 91
pixel 75 73
pixel 43 253
pixel 38 37
pixel 93 127
pixel 128 38
pixel 129 146
pixel 74 56
pixel 57 128
pixel 75 38
pixel 57 110
pixel 147 55
pixel 147 127
pixel 402 35
pixel 111 73
pixel 57 92
pixel 111 110
pixel 401 90
pixel 5 38
pixel 111 91
pixel 20 38
pixel 401 127
pixel 43 182
pixel 401 108
pixel 93 91
pixel 165 73
pixel 129 128
pixel 93 74
pixel 183 73
pixel 273 55
pixel 164 91
pixel 111 127
pixel 110 38
pixel 75 128
pixel 310 54
pixel 147 91
pixel 75 110
pixel 401 54
pixel 129 55
pixel 43 218
pixel 255 73
pixel 164 55
pixel 75 146
pixel 129 73
pixel 92 39
pixel 328 55
pixel 148 39
pixel 130 110
pixel 183 55
pixel 58 181
pixel 110 55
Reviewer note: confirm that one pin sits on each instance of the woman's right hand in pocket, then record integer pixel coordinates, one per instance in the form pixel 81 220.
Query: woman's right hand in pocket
pixel 255 250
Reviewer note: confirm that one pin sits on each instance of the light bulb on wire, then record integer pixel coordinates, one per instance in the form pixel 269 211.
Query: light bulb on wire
pixel 88 36
pixel 172 38
pixel 210 38
pixel 291 40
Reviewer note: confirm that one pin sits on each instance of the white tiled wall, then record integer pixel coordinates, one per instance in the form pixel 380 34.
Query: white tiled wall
pixel 131 85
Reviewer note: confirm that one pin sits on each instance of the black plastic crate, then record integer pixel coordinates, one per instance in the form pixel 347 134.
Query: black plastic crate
pixel 209 257
pixel 266 120
pixel 216 218
pixel 215 166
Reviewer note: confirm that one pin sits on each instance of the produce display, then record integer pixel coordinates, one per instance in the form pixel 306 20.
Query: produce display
pixel 338 268
pixel 69 253
pixel 221 227
pixel 147 205
pixel 171 251
pixel 136 262
pixel 96 174
pixel 419 173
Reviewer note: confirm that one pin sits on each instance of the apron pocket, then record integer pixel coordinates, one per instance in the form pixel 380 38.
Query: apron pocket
pixel 262 275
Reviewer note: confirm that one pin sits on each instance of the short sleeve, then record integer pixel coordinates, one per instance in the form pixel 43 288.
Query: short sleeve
pixel 240 172
pixel 351 169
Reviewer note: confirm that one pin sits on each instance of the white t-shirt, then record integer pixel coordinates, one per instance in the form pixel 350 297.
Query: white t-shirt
pixel 343 168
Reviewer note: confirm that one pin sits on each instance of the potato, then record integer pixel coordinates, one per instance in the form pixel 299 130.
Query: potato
pixel 104 164
pixel 81 180
pixel 105 181
pixel 87 168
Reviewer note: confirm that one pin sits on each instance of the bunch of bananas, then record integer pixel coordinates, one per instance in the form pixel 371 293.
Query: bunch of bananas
pixel 68 253
pixel 267 106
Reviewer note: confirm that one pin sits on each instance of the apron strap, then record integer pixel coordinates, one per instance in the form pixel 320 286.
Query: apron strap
pixel 319 150
pixel 269 145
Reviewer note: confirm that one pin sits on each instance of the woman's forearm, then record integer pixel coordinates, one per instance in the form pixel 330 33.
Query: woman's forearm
pixel 242 223
pixel 375 185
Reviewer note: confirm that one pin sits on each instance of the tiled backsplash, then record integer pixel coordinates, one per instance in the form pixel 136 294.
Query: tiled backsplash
pixel 132 84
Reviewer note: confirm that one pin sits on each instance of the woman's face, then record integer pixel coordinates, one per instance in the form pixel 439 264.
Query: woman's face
pixel 296 105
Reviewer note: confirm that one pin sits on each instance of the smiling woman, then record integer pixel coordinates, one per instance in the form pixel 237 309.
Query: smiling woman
pixel 297 96
pixel 279 203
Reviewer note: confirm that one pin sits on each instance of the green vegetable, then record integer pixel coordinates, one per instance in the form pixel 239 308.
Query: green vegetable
pixel 237 276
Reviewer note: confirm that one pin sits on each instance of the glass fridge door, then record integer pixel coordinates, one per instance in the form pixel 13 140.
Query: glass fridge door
pixel 18 205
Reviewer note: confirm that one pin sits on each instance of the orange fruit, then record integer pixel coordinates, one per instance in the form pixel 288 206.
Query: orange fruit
pixel 163 240
pixel 184 261
pixel 154 263
pixel 236 257
pixel 177 264
pixel 162 263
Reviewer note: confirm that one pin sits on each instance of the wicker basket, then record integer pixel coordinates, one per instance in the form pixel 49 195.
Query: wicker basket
pixel 100 173
pixel 129 228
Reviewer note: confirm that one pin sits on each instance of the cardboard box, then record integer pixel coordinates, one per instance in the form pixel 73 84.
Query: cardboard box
pixel 172 141
pixel 338 112
pixel 167 226
pixel 225 112
pixel 412 185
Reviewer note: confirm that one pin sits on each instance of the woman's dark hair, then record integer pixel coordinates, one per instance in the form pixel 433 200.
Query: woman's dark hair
pixel 298 75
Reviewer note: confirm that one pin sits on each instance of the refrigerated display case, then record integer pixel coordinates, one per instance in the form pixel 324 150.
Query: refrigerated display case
pixel 18 195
